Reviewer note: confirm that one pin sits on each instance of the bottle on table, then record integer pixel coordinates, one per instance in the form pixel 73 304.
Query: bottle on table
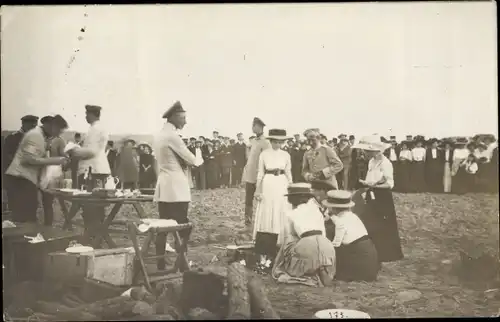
pixel 90 181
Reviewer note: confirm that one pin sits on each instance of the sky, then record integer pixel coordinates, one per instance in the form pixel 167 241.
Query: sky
pixel 360 68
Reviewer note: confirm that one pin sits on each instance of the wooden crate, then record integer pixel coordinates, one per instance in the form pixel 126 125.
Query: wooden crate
pixel 113 266
pixel 66 267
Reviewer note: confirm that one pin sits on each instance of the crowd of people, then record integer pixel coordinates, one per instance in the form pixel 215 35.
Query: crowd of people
pixel 302 185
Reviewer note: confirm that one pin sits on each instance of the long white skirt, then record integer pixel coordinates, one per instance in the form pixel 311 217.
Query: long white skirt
pixel 270 215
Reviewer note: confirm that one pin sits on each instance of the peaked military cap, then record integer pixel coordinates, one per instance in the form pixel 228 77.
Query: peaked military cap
pixel 176 108
pixel 93 108
pixel 257 120
pixel 30 118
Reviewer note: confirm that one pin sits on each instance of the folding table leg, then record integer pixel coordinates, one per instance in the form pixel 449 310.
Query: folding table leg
pixel 133 235
pixel 69 215
pixel 103 229
pixel 139 209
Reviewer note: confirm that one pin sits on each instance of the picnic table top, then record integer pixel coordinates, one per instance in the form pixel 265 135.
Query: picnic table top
pixel 94 199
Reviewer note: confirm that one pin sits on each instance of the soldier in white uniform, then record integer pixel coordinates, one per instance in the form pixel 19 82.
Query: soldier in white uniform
pixel 173 192
pixel 93 150
pixel 92 153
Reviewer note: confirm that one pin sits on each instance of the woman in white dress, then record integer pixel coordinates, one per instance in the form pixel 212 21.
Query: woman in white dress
pixel 273 177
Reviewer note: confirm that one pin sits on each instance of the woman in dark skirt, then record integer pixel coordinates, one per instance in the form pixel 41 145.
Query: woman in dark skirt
pixel 356 254
pixel 379 216
pixel 418 167
pixel 403 176
pixel 147 175
pixel 211 167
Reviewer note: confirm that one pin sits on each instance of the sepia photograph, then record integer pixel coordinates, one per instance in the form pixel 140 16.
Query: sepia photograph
pixel 250 161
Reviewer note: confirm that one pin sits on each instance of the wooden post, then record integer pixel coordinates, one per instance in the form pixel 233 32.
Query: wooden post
pixel 239 302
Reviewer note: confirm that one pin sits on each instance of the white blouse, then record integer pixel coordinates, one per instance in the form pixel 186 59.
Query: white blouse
pixel 418 154
pixel 348 228
pixel 392 155
pixel 405 155
pixel 460 154
pixel 271 159
pixel 304 218
pixel 447 155
pixel 380 171
pixel 434 153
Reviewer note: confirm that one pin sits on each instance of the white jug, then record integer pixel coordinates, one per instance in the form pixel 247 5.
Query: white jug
pixel 111 183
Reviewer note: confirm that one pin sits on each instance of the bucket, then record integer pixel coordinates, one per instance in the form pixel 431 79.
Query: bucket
pixel 340 314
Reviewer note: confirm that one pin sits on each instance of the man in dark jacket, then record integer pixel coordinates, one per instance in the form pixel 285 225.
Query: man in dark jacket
pixel 239 153
pixel 111 151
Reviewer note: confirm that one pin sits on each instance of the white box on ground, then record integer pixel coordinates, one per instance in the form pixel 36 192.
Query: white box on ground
pixel 114 266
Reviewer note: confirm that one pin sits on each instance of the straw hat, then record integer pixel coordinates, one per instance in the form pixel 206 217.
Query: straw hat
pixel 278 134
pixel 300 188
pixel 371 143
pixel 338 199
pixel 314 132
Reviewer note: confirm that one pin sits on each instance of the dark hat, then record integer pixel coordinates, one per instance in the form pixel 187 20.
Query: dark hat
pixel 300 188
pixel 277 134
pixel 216 132
pixel 129 141
pixel 176 108
pixel 321 185
pixel 110 142
pixel 392 137
pixel 335 140
pixel 239 134
pixel 30 118
pixel 55 119
pixel 93 108
pixel 351 137
pixel 192 139
pixel 432 140
pixel 344 140
pixel 407 143
pixel 257 120
pixel 342 135
pixel 409 137
pixel 202 137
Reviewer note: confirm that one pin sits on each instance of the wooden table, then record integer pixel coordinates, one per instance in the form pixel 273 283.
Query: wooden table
pixel 102 230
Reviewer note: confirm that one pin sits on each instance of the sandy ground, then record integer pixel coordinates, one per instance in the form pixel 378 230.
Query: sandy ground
pixel 432 228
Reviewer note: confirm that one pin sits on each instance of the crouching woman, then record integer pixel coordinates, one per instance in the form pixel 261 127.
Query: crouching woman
pixel 357 258
pixel 306 252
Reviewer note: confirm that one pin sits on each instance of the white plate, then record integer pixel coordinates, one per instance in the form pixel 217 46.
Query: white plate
pixel 232 247
pixel 341 314
pixel 79 249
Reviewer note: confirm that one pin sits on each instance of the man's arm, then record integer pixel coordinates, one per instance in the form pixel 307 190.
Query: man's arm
pixel 178 146
pixel 97 140
pixel 334 163
pixel 32 149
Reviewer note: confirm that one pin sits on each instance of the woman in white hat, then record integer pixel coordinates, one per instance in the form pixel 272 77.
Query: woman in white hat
pixel 356 254
pixel 380 217
pixel 273 177
pixel 306 252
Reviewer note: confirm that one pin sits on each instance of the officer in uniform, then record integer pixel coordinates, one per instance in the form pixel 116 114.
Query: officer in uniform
pixel 13 140
pixel 172 191
pixel 320 163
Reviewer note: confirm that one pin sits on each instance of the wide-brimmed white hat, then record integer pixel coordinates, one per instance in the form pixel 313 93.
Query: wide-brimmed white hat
pixel 338 199
pixel 371 143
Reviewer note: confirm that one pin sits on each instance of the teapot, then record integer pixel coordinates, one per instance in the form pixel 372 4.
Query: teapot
pixel 111 183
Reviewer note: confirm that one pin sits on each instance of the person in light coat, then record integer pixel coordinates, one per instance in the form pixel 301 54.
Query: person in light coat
pixel 93 150
pixel 173 192
pixel 92 154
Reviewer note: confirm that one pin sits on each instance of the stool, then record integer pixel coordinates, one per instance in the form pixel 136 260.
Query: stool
pixel 142 254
